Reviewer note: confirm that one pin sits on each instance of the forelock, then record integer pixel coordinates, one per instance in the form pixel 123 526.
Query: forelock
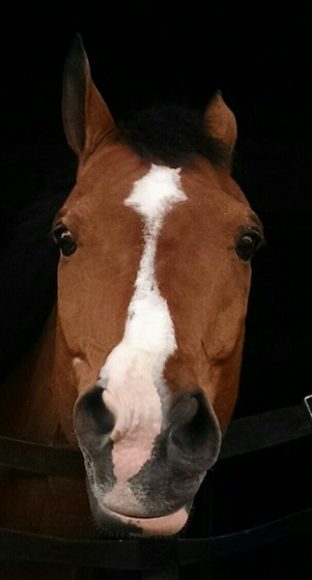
pixel 172 135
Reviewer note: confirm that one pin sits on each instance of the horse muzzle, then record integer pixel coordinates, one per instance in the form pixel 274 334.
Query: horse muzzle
pixel 156 499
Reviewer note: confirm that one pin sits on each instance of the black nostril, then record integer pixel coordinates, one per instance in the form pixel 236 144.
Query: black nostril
pixel 91 414
pixel 194 432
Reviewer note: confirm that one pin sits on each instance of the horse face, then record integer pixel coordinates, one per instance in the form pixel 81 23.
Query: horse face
pixel 153 287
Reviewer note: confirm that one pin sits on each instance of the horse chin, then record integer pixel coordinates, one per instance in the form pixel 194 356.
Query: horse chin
pixel 120 524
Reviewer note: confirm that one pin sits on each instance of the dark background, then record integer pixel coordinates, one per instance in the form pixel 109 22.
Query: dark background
pixel 259 55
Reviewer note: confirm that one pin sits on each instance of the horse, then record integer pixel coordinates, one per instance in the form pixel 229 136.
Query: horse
pixel 139 361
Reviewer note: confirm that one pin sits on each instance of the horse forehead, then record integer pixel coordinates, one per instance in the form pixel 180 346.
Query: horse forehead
pixel 155 193
pixel 205 183
pixel 110 179
pixel 119 168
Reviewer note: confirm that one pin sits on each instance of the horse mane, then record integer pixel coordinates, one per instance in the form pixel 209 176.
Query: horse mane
pixel 172 135
pixel 167 134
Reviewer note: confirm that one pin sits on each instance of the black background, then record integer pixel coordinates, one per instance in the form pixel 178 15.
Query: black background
pixel 259 55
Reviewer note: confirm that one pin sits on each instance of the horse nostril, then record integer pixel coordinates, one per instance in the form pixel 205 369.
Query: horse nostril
pixel 194 435
pixel 91 416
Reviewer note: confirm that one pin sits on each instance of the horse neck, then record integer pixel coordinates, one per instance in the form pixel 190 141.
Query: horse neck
pixel 29 407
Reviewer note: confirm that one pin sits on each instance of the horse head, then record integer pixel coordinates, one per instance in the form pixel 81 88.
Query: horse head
pixel 153 285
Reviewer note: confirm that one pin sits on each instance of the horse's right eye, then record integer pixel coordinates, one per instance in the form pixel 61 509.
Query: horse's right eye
pixel 64 240
pixel 249 241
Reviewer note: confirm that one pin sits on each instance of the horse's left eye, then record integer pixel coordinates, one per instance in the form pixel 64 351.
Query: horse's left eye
pixel 248 243
pixel 65 240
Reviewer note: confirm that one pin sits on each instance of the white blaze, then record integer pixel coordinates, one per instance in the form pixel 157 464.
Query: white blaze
pixel 132 376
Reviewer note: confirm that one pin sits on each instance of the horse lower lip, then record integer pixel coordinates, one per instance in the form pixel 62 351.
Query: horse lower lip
pixel 133 516
pixel 162 525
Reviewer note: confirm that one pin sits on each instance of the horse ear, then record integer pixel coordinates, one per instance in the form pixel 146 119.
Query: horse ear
pixel 86 118
pixel 221 121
